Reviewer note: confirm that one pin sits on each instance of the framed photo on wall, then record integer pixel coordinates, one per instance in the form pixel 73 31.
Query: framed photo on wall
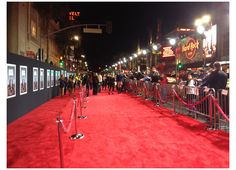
pixel 11 80
pixel 23 80
pixel 35 79
pixel 65 74
pixel 57 77
pixel 62 72
pixel 48 78
pixel 52 78
pixel 41 79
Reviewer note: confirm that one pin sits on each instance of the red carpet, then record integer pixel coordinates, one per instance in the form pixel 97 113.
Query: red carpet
pixel 121 131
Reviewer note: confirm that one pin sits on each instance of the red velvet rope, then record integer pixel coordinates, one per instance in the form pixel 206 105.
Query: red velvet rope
pixel 159 96
pixel 219 108
pixel 187 104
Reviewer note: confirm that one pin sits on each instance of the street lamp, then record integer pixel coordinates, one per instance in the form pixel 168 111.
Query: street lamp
pixel 203 20
pixel 83 56
pixel 200 29
pixel 76 37
pixel 172 41
pixel 154 46
pixel 144 52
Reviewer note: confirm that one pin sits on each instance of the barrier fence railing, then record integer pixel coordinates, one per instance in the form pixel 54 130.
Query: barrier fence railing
pixel 204 104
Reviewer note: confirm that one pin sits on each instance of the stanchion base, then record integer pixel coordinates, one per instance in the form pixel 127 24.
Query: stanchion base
pixel 82 117
pixel 76 136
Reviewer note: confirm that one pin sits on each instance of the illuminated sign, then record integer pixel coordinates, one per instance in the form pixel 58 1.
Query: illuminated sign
pixel 184 29
pixel 209 43
pixel 93 30
pixel 168 52
pixel 190 48
pixel 73 15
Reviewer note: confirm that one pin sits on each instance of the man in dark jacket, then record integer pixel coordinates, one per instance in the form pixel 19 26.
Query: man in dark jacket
pixel 217 79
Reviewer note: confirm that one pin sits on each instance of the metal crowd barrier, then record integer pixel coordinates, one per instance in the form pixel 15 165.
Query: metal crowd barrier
pixel 204 104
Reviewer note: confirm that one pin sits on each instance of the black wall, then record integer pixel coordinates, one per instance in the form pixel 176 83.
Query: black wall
pixel 22 104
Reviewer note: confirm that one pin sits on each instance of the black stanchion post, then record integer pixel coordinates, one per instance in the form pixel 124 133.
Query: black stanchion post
pixel 59 121
pixel 76 135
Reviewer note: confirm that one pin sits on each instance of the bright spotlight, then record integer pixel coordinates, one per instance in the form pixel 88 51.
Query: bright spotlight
pixel 76 37
pixel 144 52
pixel 154 46
pixel 198 22
pixel 206 18
pixel 200 29
pixel 172 41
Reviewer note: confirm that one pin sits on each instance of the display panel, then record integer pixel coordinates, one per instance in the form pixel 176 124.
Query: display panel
pixel 11 80
pixel 23 80
pixel 209 42
pixel 52 78
pixel 35 79
pixel 41 78
pixel 48 78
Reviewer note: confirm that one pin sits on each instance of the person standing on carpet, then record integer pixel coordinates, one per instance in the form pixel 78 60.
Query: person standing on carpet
pixel 86 82
pixel 111 83
pixel 191 92
pixel 62 85
pixel 99 82
pixel 70 85
pixel 95 83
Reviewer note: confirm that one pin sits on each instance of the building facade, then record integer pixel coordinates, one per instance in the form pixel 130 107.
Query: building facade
pixel 27 31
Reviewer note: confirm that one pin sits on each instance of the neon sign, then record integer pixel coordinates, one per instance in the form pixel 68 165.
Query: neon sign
pixel 73 15
pixel 168 52
pixel 190 48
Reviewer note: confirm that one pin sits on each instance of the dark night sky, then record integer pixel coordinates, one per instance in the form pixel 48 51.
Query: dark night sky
pixel 131 22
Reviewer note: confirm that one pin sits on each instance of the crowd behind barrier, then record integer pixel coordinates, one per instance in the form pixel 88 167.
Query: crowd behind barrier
pixel 205 104
pixel 200 103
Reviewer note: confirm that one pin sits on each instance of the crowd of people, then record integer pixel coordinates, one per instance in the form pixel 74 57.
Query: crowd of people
pixel 67 84
pixel 213 77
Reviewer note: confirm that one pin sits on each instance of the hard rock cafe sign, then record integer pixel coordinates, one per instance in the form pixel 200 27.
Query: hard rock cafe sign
pixel 190 48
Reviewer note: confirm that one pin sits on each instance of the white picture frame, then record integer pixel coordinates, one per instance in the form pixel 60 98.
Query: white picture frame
pixel 11 81
pixel 35 79
pixel 52 78
pixel 41 79
pixel 48 78
pixel 65 73
pixel 58 77
pixel 23 80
